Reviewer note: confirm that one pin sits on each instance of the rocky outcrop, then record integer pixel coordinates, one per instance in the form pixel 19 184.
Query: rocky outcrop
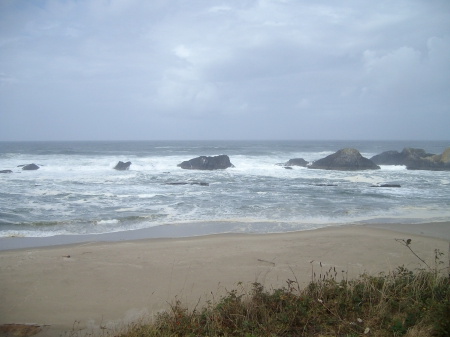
pixel 344 160
pixel 30 167
pixel 400 158
pixel 5 171
pixel 440 162
pixel 121 166
pixel 415 159
pixel 388 158
pixel 220 162
pixel 296 162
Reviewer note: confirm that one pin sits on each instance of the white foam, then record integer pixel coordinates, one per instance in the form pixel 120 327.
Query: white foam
pixel 393 167
pixel 107 222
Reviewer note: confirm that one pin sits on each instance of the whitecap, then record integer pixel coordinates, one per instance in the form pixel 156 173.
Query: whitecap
pixel 107 222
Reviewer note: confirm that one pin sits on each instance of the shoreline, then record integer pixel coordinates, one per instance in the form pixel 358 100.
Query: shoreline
pixel 207 228
pixel 109 284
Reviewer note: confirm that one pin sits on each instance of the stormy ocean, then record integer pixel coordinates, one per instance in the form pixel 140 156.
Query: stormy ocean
pixel 77 191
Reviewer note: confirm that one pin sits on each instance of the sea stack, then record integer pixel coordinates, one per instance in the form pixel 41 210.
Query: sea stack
pixel 220 162
pixel 121 166
pixel 345 160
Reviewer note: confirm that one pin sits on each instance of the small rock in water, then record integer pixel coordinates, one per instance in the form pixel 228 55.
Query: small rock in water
pixel 121 166
pixel 30 167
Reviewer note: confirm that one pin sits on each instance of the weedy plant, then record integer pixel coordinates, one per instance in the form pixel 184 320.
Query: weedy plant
pixel 399 303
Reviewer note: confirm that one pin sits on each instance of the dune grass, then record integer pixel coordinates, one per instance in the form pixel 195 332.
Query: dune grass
pixel 400 303
pixel 403 302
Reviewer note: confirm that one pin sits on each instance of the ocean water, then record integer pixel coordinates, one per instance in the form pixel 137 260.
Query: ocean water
pixel 77 191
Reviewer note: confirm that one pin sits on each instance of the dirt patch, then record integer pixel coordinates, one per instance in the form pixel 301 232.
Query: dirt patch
pixel 19 330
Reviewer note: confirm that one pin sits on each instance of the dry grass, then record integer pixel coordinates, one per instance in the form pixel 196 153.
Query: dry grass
pixel 401 303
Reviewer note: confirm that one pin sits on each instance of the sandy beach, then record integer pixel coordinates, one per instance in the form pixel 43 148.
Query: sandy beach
pixel 88 285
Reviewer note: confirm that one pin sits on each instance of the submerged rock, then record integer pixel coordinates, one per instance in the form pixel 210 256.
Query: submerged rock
pixel 344 160
pixel 188 183
pixel 386 185
pixel 5 171
pixel 220 162
pixel 30 167
pixel 121 166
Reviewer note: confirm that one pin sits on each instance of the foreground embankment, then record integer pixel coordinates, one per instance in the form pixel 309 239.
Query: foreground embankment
pixel 95 285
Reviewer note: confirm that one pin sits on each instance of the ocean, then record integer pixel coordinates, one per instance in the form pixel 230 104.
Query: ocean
pixel 77 191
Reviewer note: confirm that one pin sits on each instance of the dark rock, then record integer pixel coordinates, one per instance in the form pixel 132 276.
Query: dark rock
pixel 5 171
pixel 188 183
pixel 207 163
pixel 440 162
pixel 30 167
pixel 386 185
pixel 388 158
pixel 287 167
pixel 344 160
pixel 121 166
pixel 325 185
pixel 400 158
pixel 415 159
pixel 296 162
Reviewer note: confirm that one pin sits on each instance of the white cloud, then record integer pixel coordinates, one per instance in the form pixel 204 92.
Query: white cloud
pixel 182 52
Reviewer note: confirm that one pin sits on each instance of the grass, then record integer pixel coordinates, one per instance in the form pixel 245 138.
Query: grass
pixel 400 303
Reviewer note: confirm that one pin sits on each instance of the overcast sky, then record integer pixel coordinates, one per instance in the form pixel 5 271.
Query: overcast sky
pixel 205 69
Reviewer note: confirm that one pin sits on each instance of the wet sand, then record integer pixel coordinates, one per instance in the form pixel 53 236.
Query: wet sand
pixel 93 284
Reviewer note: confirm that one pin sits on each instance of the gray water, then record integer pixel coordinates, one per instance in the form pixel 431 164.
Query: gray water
pixel 77 191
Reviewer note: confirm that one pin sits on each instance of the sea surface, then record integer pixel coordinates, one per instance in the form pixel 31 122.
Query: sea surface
pixel 77 191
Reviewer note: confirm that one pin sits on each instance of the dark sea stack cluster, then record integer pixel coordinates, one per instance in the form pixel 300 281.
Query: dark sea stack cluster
pixel 415 159
pixel 345 160
pixel 30 167
pixel 220 162
pixel 439 162
pixel 400 158
pixel 296 162
pixel 121 166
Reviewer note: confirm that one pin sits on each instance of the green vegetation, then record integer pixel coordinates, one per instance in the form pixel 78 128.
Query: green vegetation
pixel 400 303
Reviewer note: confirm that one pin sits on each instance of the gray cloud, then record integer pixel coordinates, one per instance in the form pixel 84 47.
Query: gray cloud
pixel 224 70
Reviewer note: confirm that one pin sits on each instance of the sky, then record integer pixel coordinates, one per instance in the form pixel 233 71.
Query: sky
pixel 224 70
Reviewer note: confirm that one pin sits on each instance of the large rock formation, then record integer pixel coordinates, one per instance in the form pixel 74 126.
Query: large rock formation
pixel 415 159
pixel 439 162
pixel 207 163
pixel 30 167
pixel 399 158
pixel 121 166
pixel 296 162
pixel 344 160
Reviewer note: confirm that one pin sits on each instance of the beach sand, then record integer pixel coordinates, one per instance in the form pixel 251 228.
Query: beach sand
pixel 89 285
